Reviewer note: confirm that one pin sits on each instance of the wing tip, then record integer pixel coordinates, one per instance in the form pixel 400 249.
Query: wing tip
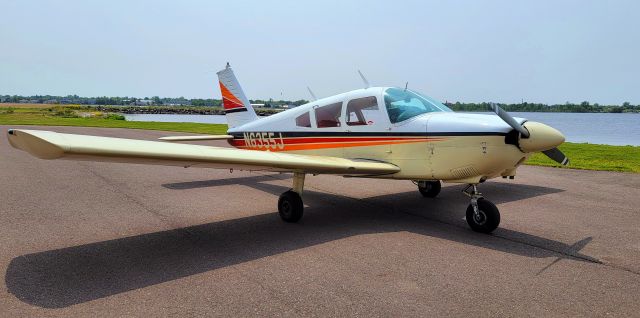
pixel 38 146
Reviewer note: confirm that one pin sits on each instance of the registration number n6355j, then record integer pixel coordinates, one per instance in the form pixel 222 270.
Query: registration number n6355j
pixel 264 140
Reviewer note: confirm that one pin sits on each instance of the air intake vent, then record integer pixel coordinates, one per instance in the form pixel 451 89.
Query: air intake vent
pixel 464 172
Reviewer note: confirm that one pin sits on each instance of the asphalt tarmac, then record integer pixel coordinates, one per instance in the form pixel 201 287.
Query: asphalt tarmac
pixel 99 239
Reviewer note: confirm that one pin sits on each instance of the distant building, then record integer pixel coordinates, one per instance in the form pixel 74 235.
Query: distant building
pixel 258 105
pixel 144 102
pixel 176 102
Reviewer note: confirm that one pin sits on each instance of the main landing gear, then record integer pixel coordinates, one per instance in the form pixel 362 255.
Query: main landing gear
pixel 482 215
pixel 429 189
pixel 290 205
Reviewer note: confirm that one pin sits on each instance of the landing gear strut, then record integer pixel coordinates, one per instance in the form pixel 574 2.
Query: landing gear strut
pixel 482 215
pixel 290 205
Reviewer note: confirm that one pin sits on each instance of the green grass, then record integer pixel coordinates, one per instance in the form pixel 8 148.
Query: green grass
pixel 594 157
pixel 63 117
pixel 582 156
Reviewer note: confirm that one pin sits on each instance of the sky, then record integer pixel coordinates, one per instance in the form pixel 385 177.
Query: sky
pixel 468 51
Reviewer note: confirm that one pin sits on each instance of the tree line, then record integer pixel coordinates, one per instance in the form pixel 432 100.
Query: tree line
pixel 583 107
pixel 126 101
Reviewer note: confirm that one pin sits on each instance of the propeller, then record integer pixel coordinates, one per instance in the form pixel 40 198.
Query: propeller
pixel 509 120
pixel 554 153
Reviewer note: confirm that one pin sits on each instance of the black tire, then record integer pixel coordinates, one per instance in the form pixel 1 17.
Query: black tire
pixel 431 189
pixel 290 207
pixel 489 217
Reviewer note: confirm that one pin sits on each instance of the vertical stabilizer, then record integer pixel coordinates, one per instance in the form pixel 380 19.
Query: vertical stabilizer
pixel 237 108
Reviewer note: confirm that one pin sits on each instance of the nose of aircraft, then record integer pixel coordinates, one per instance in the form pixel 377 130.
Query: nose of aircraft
pixel 541 137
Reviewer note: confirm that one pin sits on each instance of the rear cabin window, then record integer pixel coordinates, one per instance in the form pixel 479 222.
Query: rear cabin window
pixel 329 116
pixel 303 120
pixel 363 111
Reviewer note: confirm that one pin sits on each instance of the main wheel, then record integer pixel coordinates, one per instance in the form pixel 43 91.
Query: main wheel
pixel 290 207
pixel 487 219
pixel 429 189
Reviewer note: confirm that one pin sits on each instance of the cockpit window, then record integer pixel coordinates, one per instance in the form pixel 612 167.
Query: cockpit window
pixel 363 111
pixel 404 104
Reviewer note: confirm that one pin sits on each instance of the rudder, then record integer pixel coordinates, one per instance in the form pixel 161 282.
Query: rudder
pixel 237 107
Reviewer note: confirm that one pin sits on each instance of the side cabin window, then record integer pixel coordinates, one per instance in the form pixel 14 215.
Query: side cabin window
pixel 329 116
pixel 363 111
pixel 303 120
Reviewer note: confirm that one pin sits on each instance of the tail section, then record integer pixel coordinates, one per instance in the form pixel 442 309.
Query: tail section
pixel 236 105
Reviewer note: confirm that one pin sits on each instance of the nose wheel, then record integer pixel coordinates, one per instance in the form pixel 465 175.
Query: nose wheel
pixel 482 215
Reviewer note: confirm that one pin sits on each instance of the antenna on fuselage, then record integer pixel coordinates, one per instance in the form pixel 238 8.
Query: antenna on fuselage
pixel 405 86
pixel 312 94
pixel 366 83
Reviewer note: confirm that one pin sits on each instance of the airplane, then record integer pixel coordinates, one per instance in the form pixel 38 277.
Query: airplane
pixel 373 132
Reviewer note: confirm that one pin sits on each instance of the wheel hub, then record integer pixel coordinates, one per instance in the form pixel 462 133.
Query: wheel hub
pixel 479 217
pixel 286 208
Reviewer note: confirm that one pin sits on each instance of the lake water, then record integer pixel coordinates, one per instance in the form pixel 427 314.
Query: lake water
pixel 205 119
pixel 595 128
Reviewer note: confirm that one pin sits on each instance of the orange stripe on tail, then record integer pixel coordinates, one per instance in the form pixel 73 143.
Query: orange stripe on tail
pixel 229 101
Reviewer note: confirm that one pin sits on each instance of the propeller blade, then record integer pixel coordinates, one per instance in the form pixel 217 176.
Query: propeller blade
pixel 509 120
pixel 556 155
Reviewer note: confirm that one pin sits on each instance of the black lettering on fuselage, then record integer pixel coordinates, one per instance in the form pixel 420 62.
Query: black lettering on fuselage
pixel 263 140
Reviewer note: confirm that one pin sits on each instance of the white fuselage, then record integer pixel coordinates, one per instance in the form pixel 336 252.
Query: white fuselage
pixel 442 145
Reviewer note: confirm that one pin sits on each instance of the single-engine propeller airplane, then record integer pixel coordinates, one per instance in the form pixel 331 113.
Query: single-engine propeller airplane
pixel 374 132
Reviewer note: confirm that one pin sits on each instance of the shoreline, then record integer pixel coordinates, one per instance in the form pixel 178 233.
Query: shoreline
pixel 218 110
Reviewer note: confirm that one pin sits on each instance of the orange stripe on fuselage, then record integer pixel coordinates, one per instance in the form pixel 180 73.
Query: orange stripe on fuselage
pixel 304 143
pixel 304 140
pixel 315 146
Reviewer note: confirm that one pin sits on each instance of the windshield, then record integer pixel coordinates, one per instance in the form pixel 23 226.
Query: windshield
pixel 404 104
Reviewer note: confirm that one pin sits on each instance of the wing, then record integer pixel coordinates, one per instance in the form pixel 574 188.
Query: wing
pixel 196 138
pixel 52 145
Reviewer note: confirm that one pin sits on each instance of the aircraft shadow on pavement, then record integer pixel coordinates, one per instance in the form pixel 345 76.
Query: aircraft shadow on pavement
pixel 226 181
pixel 78 274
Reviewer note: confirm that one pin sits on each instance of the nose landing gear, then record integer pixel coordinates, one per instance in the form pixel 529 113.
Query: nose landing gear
pixel 482 215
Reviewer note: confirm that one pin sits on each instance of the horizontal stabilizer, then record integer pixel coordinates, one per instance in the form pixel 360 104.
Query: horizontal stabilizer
pixel 52 145
pixel 196 138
